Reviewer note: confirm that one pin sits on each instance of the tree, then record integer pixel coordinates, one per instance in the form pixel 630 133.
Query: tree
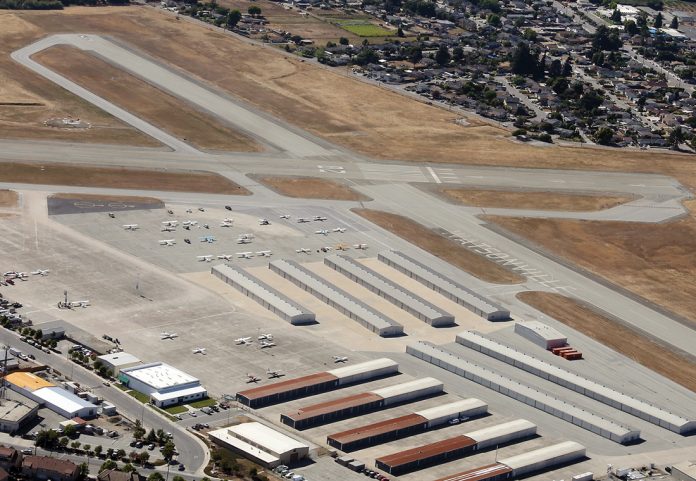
pixel 658 20
pixel 530 35
pixel 604 39
pixel 168 450
pixel 47 439
pixel 254 10
pixel 84 471
pixel 233 18
pixel 615 16
pixel 178 478
pixel 442 57
pixel 108 464
pixel 567 70
pixel 674 23
pixel 98 449
pixel 75 445
pixel 144 457
pixel 121 453
pixel 155 477
pixel 151 437
pixel 416 55
pixel 630 27
pixel 343 41
pixel 63 442
pixel 604 136
pixel 38 334
pixel 494 20
pixel 555 68
pixel 458 53
pixel 399 32
pixel 524 62
pixel 87 448
pixel 70 431
pixel 676 137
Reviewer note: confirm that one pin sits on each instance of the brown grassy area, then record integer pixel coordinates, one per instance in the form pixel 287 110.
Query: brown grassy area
pixel 440 246
pixel 625 340
pixel 369 119
pixel 8 198
pixel 311 188
pixel 533 200
pixel 106 198
pixel 144 100
pixel 654 261
pixel 119 178
pixel 19 85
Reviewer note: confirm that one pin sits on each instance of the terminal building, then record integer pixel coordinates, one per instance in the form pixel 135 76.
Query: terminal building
pixel 164 384
pixel 47 394
pixel 260 443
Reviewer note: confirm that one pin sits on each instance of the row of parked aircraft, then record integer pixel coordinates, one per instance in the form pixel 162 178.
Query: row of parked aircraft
pixel 271 373
pixel 340 230
pixel 240 255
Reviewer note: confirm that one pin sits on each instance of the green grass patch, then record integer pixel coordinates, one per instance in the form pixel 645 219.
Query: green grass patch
pixel 363 28
pixel 143 398
pixel 203 403
pixel 176 409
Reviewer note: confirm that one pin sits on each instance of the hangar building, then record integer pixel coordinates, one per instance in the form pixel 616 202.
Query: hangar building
pixel 166 385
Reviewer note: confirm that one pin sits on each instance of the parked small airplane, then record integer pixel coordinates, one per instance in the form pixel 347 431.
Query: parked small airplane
pixel 204 258
pixel 190 222
pixel 199 350
pixel 208 238
pixel 167 242
pixel 79 303
pixel 40 272
pixel 243 340
pixel 227 223
pixel 285 216
pixel 227 257
pixel 245 255
pixel 302 220
pixel 339 229
pixel 265 344
pixel 266 337
pixel 342 247
pixel 304 250
pixel 131 226
pixel 243 240
pixel 251 378
pixel 168 335
pixel 112 215
pixel 340 359
pixel 170 223
pixel 319 218
pixel 201 209
pixel 360 246
pixel 188 241
pixel 264 222
pixel 274 373
pixel 168 229
pixel 322 232
pixel 264 253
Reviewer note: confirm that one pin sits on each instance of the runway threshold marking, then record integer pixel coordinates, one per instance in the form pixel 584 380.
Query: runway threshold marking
pixel 434 175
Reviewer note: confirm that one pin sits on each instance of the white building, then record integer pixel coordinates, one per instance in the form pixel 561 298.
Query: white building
pixel 48 394
pixel 118 361
pixel 260 443
pixel 166 385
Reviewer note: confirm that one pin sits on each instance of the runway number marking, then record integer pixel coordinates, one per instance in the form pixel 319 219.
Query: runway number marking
pixel 494 254
pixel 333 169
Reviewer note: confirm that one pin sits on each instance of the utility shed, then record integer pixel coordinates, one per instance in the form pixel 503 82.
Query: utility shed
pixel 350 406
pixel 264 294
pixel 392 292
pixel 377 433
pixel 424 456
pixel 490 472
pixel 462 409
pixel 449 361
pixel 579 384
pixel 503 433
pixel 545 458
pixel 540 334
pixel 399 427
pixel 118 361
pixel 337 298
pixel 261 443
pixel 365 371
pixel 317 383
pixel 444 285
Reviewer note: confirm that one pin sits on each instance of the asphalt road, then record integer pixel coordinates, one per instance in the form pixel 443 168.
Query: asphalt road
pixel 193 453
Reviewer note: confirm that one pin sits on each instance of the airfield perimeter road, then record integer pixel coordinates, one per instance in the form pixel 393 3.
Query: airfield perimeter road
pixel 294 152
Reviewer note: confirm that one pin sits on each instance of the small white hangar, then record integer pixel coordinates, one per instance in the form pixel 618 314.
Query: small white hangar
pixel 166 385
pixel 260 443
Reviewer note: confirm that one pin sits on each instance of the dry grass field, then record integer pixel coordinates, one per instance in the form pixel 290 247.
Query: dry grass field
pixel 43 100
pixel 119 178
pixel 8 198
pixel 654 261
pixel 311 188
pixel 366 118
pixel 624 340
pixel 106 198
pixel 533 200
pixel 144 100
pixel 440 246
